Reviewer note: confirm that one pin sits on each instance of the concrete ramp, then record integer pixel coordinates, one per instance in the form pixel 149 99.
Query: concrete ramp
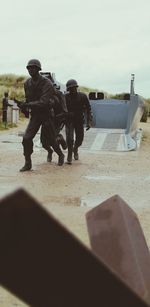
pixel 97 139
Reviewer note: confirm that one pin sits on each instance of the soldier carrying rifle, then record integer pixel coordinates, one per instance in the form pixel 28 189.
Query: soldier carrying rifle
pixel 39 93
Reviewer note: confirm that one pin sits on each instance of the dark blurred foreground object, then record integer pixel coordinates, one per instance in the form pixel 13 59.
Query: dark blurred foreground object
pixel 45 265
pixel 117 239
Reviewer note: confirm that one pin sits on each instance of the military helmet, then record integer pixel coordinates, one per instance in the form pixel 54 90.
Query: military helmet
pixel 34 62
pixel 71 83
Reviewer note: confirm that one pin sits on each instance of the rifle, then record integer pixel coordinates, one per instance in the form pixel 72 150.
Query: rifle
pixel 22 107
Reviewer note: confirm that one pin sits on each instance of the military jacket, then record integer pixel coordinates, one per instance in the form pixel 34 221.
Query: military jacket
pixel 78 104
pixel 39 95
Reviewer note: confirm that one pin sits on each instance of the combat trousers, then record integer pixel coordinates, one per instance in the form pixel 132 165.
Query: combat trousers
pixel 48 137
pixel 4 116
pixel 74 129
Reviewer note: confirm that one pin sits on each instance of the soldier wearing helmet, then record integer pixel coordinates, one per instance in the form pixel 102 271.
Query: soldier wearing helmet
pixel 39 93
pixel 5 105
pixel 78 106
pixel 34 62
pixel 71 84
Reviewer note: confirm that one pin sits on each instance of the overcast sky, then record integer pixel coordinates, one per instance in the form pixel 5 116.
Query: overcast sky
pixel 97 42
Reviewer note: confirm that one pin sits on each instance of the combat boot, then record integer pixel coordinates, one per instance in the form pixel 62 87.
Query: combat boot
pixel 61 159
pixel 60 154
pixel 76 155
pixel 49 156
pixel 62 141
pixel 69 157
pixel 28 165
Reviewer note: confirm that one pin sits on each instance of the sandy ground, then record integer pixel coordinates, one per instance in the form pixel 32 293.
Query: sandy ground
pixel 68 192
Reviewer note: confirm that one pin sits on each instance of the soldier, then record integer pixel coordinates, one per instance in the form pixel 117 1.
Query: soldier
pixel 5 106
pixel 39 93
pixel 58 114
pixel 77 105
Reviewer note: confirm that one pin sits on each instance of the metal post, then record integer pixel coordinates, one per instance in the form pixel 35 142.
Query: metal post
pixel 132 84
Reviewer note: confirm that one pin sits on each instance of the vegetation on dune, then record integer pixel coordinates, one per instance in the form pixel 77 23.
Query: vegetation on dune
pixel 12 80
pixel 13 84
pixel 87 90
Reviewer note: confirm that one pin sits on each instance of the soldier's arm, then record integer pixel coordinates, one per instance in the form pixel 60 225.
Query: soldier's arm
pixel 63 102
pixel 88 111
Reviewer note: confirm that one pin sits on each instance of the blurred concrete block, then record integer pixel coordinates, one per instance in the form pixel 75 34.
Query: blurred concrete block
pixel 117 239
pixel 46 266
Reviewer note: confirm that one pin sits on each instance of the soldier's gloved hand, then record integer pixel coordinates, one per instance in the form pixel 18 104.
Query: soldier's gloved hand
pixel 87 128
pixel 21 104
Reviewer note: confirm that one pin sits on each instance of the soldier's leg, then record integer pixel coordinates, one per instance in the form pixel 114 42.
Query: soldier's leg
pixel 59 137
pixel 70 140
pixel 5 118
pixel 32 129
pixel 45 139
pixel 61 141
pixel 48 140
pixel 79 136
pixel 50 155
pixel 59 152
